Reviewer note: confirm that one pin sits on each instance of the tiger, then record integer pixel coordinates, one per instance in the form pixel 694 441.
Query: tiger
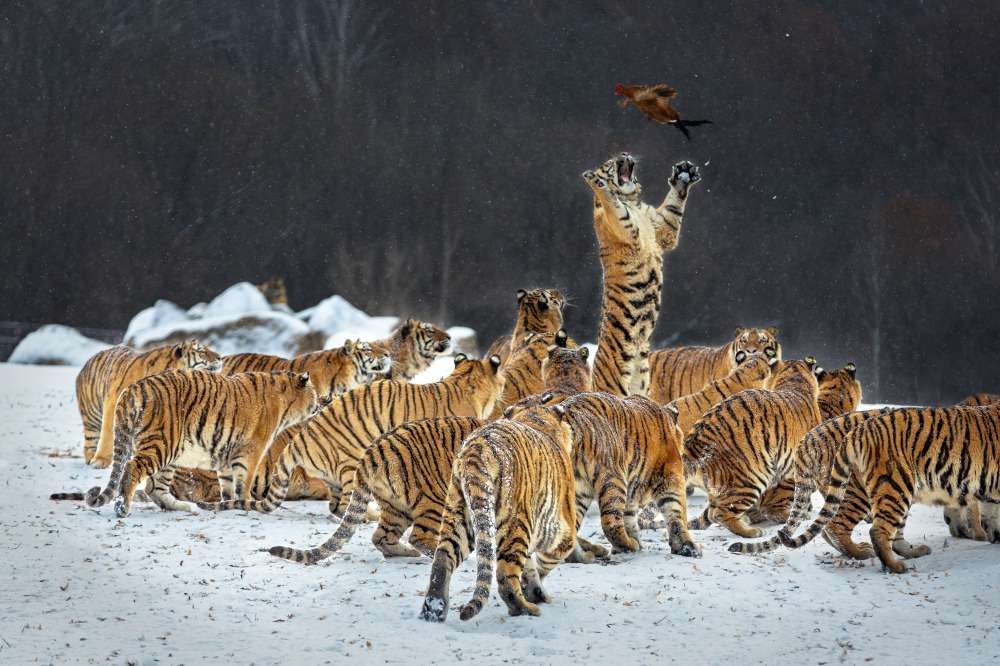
pixel 412 346
pixel 332 371
pixel 632 237
pixel 273 289
pixel 233 418
pixel 747 442
pixel 980 399
pixel 752 372
pixel 839 391
pixel 626 454
pixel 942 455
pixel 538 311
pixel 407 470
pixel 103 377
pixel 329 445
pixel 512 484
pixel 522 371
pixel 680 371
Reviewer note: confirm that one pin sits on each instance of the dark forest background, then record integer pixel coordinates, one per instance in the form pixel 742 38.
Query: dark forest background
pixel 424 158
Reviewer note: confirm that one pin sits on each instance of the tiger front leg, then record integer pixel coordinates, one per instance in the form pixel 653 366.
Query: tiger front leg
pixel 106 442
pixel 904 548
pixel 531 583
pixel 453 547
pixel 728 508
pixel 389 533
pixel 961 523
pixel 510 565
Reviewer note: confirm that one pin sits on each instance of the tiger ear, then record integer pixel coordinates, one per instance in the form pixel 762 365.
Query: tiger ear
pixel 178 351
pixel 495 362
pixel 507 412
pixel 810 361
pixel 460 358
pixel 561 337
pixel 348 347
pixel 672 408
pixel 521 293
pixel 740 356
pixel 302 380
pixel 406 328
pixel 819 372
pixel 560 409
pixel 739 331
pixel 773 331
pixel 852 369
pixel 773 361
pixel 547 396
pixel 584 353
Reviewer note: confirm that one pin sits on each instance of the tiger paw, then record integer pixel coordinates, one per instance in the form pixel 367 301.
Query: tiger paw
pixel 627 545
pixel 595 181
pixel 689 549
pixel 684 175
pixel 100 462
pixel 434 609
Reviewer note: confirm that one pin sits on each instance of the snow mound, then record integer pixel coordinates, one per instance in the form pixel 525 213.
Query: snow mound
pixel 56 345
pixel 335 314
pixel 241 298
pixel 375 328
pixel 463 339
pixel 260 332
pixel 440 368
pixel 162 313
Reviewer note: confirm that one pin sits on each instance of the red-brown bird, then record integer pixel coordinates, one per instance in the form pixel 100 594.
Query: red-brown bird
pixel 654 101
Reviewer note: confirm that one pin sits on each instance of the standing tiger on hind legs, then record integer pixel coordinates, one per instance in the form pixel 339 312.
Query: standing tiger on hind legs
pixel 632 237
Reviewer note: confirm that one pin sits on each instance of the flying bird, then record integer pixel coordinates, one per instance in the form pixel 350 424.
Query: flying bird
pixel 654 101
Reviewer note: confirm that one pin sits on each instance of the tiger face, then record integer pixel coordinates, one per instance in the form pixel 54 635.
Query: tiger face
pixel 198 356
pixel 368 364
pixel 429 340
pixel 619 173
pixel 751 340
pixel 541 309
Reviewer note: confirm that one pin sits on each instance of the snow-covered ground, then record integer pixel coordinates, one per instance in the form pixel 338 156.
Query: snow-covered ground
pixel 78 585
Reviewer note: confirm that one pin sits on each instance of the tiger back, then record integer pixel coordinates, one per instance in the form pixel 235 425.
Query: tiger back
pixel 412 346
pixel 747 441
pixel 938 455
pixel 538 311
pixel 632 237
pixel 679 371
pixel 159 416
pixel 752 372
pixel 103 377
pixel 329 445
pixel 512 482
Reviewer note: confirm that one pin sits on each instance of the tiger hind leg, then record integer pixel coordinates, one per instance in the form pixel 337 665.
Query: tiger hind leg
pixel 531 583
pixel 584 551
pixel 426 524
pixel 162 495
pixel 387 536
pixel 511 563
pixel 888 520
pixel 613 503
pixel 728 508
pixel 672 504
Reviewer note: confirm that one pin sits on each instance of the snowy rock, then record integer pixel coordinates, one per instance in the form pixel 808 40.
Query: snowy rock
pixel 440 368
pixel 162 313
pixel 463 339
pixel 335 314
pixel 375 328
pixel 260 332
pixel 241 298
pixel 56 345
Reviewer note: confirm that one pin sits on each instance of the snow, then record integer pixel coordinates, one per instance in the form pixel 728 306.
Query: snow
pixel 375 328
pixel 80 585
pixel 261 332
pixel 241 298
pixel 335 314
pixel 55 345
pixel 162 312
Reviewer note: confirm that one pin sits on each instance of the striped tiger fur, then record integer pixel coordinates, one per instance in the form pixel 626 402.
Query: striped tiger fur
pixel 980 399
pixel 233 418
pixel 752 372
pixel 512 483
pixel 944 455
pixel 626 454
pixel 522 371
pixel 407 470
pixel 632 237
pixel 332 371
pixel 412 346
pixel 538 311
pixel 747 442
pixel 329 445
pixel 839 391
pixel 679 371
pixel 103 377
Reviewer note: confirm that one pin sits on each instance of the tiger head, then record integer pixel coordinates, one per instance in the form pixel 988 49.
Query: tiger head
pixel 839 391
pixel 299 396
pixel 428 340
pixel 750 340
pixel 794 374
pixel 481 381
pixel 540 309
pixel 753 367
pixel 273 289
pixel 368 363
pixel 192 354
pixel 619 173
pixel 546 399
pixel 565 368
